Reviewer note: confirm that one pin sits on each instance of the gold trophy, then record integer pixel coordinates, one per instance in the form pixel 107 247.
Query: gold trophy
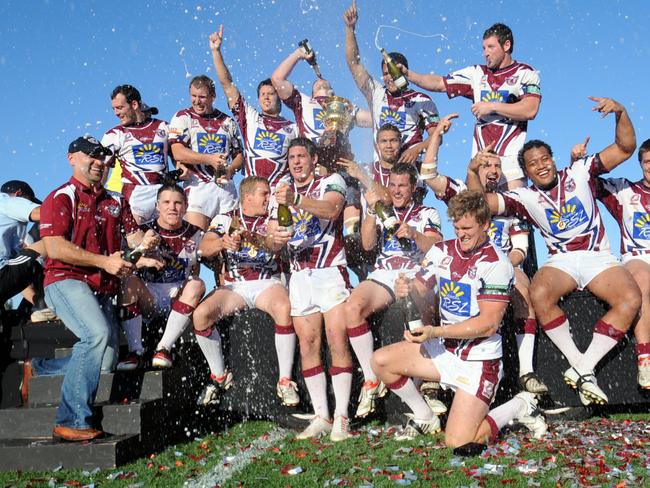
pixel 333 144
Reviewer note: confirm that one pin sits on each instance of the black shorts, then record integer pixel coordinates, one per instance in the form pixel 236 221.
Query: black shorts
pixel 20 272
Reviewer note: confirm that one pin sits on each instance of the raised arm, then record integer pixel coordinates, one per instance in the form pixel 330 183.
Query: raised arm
pixel 625 138
pixel 220 68
pixel 280 76
pixel 352 56
pixel 429 170
pixel 429 81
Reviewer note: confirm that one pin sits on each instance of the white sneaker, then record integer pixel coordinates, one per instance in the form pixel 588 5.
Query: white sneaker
pixel 586 385
pixel 531 417
pixel 415 428
pixel 643 363
pixel 287 391
pixel 370 391
pixel 316 428
pixel 340 429
pixel 42 315
pixel 211 392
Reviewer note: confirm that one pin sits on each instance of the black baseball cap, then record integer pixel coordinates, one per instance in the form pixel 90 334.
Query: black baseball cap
pixel 146 109
pixel 22 188
pixel 89 145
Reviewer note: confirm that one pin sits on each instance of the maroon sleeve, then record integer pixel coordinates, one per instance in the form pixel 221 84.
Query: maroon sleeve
pixel 514 207
pixel 56 216
pixel 293 101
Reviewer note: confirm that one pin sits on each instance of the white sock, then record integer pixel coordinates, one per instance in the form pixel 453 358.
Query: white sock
pixel 285 348
pixel 559 333
pixel 342 385
pixel 363 346
pixel 408 392
pixel 604 340
pixel 316 383
pixel 504 414
pixel 177 321
pixel 525 351
pixel 133 332
pixel 211 347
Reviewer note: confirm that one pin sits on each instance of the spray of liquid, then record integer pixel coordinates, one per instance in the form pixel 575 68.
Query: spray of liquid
pixel 426 36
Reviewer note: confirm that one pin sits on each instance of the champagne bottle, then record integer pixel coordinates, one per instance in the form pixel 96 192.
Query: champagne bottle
pixel 133 255
pixel 312 61
pixel 389 220
pixel 285 219
pixel 412 316
pixel 395 73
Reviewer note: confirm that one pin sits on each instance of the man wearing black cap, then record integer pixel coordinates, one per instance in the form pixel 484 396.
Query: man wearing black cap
pixel 19 266
pixel 139 144
pixel 82 227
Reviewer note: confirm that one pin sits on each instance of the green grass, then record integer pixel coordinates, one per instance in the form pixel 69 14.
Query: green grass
pixel 601 451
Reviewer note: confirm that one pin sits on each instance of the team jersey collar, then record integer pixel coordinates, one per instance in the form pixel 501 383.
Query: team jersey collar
pixel 86 188
pixel 469 254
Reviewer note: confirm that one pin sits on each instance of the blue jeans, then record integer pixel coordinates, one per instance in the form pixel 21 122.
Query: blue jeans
pixel 93 319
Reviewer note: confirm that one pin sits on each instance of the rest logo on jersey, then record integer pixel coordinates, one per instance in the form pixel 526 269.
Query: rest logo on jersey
pixel 248 253
pixel 305 227
pixel 500 96
pixel 211 143
pixel 495 232
pixel 641 225
pixel 319 115
pixel 455 297
pixel 266 140
pixel 571 215
pixel 174 270
pixel 149 154
pixel 388 116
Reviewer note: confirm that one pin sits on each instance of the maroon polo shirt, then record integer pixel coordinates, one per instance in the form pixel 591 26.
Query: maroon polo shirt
pixel 94 220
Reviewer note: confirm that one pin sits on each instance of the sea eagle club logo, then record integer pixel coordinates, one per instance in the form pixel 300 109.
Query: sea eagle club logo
pixel 455 297
pixel 641 225
pixel 149 154
pixel 211 143
pixel 570 216
pixel 265 140
pixel 319 115
pixel 396 118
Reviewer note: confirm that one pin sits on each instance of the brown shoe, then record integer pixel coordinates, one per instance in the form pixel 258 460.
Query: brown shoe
pixel 69 434
pixel 28 373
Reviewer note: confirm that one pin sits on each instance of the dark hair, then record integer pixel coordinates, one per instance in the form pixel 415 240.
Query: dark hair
pixel 531 145
pixel 469 202
pixel 171 187
pixel 303 142
pixel 503 33
pixel 399 58
pixel 390 128
pixel 130 92
pixel 266 82
pixel 202 81
pixel 644 148
pixel 405 169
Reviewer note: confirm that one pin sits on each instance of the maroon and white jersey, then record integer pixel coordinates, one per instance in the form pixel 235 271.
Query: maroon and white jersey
pixel 309 113
pixel 266 139
pixel 177 249
pixel 316 242
pixel 141 150
pixel 250 262
pixel 629 204
pixel 463 280
pixel 206 134
pixel 391 255
pixel 567 215
pixel 501 228
pixel 505 85
pixel 410 111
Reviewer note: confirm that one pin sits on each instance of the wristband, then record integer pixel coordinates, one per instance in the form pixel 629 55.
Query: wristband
pixel 296 199
pixel 371 212
pixel 427 175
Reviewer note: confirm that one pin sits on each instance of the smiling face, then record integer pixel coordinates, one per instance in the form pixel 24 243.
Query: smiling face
pixel 269 100
pixel 171 206
pixel 389 144
pixel 88 169
pixel 301 164
pixel 256 202
pixel 201 100
pixel 645 167
pixel 470 233
pixel 400 189
pixel 126 112
pixel 540 167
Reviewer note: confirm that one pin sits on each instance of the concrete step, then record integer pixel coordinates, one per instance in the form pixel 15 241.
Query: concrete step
pixel 143 418
pixel 44 454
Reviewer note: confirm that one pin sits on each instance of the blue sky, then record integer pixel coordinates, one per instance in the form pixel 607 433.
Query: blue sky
pixel 60 59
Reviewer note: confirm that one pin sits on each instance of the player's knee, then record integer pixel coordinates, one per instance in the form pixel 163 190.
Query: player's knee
pixel 453 440
pixel 354 310
pixel 380 360
pixel 642 278
pixel 631 303
pixel 281 310
pixel 539 295
pixel 195 288
pixel 201 319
